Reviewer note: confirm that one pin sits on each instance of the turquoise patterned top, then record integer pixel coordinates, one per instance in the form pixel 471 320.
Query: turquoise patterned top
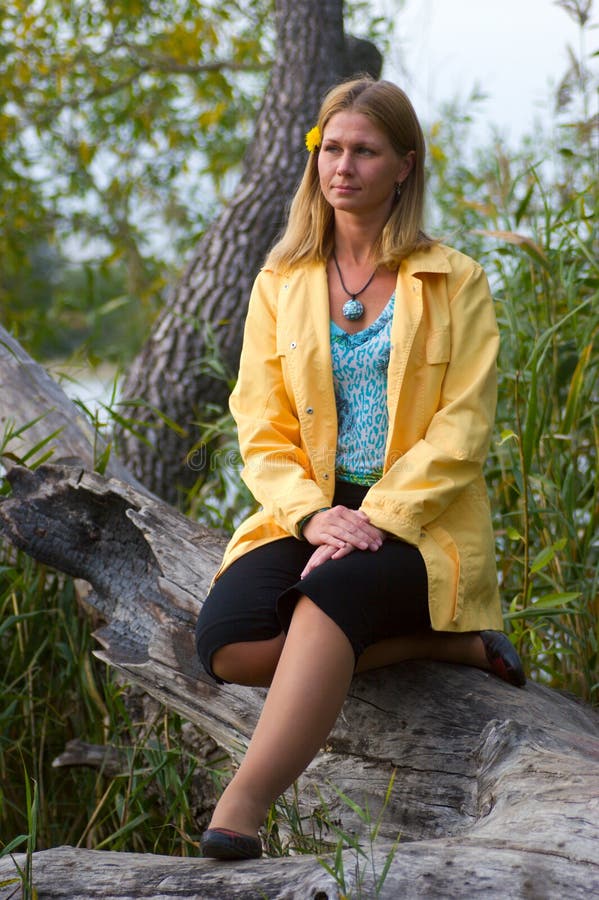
pixel 360 364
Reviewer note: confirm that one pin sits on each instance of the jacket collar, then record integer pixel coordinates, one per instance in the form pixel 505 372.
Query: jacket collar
pixel 431 259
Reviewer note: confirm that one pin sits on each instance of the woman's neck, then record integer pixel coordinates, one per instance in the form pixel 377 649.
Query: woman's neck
pixel 355 238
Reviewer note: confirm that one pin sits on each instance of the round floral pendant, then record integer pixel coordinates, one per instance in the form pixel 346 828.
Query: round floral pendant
pixel 353 310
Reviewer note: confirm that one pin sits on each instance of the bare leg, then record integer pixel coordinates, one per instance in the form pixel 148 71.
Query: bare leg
pixel 248 662
pixel 307 692
pixel 254 662
pixel 465 648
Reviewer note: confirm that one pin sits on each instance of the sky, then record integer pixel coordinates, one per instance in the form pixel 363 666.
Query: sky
pixel 515 50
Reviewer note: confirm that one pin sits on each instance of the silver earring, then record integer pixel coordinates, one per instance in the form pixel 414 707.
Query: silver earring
pixel 398 189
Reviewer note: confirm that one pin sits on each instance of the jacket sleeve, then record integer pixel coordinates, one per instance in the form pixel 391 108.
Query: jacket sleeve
pixel 420 485
pixel 276 467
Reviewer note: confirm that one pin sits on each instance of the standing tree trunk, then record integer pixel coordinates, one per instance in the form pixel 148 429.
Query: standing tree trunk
pixel 207 307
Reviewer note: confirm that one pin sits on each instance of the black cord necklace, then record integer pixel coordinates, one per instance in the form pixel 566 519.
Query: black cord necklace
pixel 352 309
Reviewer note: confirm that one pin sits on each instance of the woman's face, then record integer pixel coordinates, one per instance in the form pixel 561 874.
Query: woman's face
pixel 357 166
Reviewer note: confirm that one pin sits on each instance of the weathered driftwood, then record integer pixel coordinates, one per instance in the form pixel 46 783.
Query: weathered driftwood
pixel 106 759
pixel 35 409
pixel 426 869
pixel 496 789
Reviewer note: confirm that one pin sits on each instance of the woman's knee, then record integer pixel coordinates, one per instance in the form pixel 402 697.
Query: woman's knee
pixel 225 661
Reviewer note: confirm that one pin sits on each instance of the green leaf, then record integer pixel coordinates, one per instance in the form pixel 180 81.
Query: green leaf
pixel 532 423
pixel 9 621
pixel 523 206
pixel 575 393
pixel 102 462
pixel 126 829
pixel 546 555
pixel 563 598
pixel 11 847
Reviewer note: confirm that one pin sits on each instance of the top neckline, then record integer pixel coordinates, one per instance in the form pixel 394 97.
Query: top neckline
pixel 373 328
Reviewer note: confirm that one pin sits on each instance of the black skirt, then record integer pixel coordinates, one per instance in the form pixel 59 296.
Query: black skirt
pixel 371 596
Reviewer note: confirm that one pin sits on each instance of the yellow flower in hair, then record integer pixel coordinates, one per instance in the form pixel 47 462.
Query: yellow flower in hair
pixel 313 138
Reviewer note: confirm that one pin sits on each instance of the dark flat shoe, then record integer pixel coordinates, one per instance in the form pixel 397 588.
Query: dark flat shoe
pixel 221 843
pixel 502 657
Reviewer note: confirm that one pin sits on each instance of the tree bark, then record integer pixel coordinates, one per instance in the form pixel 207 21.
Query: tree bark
pixel 496 791
pixel 205 312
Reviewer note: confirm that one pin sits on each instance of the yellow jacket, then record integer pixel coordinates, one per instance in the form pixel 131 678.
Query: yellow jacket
pixel 441 399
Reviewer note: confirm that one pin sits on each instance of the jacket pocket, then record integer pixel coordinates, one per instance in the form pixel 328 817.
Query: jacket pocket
pixel 438 347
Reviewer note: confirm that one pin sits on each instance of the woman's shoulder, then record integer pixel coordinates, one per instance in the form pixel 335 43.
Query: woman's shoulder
pixel 280 272
pixel 272 283
pixel 268 281
pixel 440 258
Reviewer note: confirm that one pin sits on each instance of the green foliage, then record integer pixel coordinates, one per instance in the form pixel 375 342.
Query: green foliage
pixel 111 114
pixel 219 498
pixel 544 465
pixel 53 692
pixel 60 311
pixel 321 834
pixel 365 863
pixel 530 219
pixel 122 127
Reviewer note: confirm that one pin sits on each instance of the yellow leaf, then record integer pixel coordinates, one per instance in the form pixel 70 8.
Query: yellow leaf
pixel 520 240
pixel 212 116
pixel 86 152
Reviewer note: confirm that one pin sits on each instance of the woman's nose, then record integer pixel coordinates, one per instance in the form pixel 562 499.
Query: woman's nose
pixel 344 163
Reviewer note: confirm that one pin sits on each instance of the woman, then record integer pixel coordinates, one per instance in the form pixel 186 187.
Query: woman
pixel 364 406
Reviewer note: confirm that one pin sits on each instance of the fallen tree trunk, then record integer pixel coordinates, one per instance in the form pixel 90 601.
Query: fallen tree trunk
pixel 496 787
pixel 423 870
pixel 37 418
pixel 496 790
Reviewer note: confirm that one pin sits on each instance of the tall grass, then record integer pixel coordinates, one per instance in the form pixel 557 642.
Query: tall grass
pixel 530 220
pixel 149 788
pixel 149 783
pixel 544 464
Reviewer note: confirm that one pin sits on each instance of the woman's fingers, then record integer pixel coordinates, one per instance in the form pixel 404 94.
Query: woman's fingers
pixel 339 526
pixel 324 553
pixel 337 550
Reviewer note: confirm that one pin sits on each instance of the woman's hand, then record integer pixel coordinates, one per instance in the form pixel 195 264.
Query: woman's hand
pixel 327 551
pixel 339 526
pixel 337 532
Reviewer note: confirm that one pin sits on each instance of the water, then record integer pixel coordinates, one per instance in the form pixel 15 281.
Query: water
pixel 93 387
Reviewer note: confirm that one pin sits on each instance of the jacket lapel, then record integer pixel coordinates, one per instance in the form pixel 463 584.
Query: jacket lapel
pixel 304 327
pixel 407 316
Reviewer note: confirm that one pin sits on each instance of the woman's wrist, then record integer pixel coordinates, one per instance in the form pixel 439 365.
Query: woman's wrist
pixel 303 522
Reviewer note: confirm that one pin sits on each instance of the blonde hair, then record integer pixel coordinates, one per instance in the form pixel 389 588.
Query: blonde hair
pixel 309 235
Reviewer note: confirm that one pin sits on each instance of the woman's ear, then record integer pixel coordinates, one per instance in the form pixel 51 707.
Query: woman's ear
pixel 407 164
